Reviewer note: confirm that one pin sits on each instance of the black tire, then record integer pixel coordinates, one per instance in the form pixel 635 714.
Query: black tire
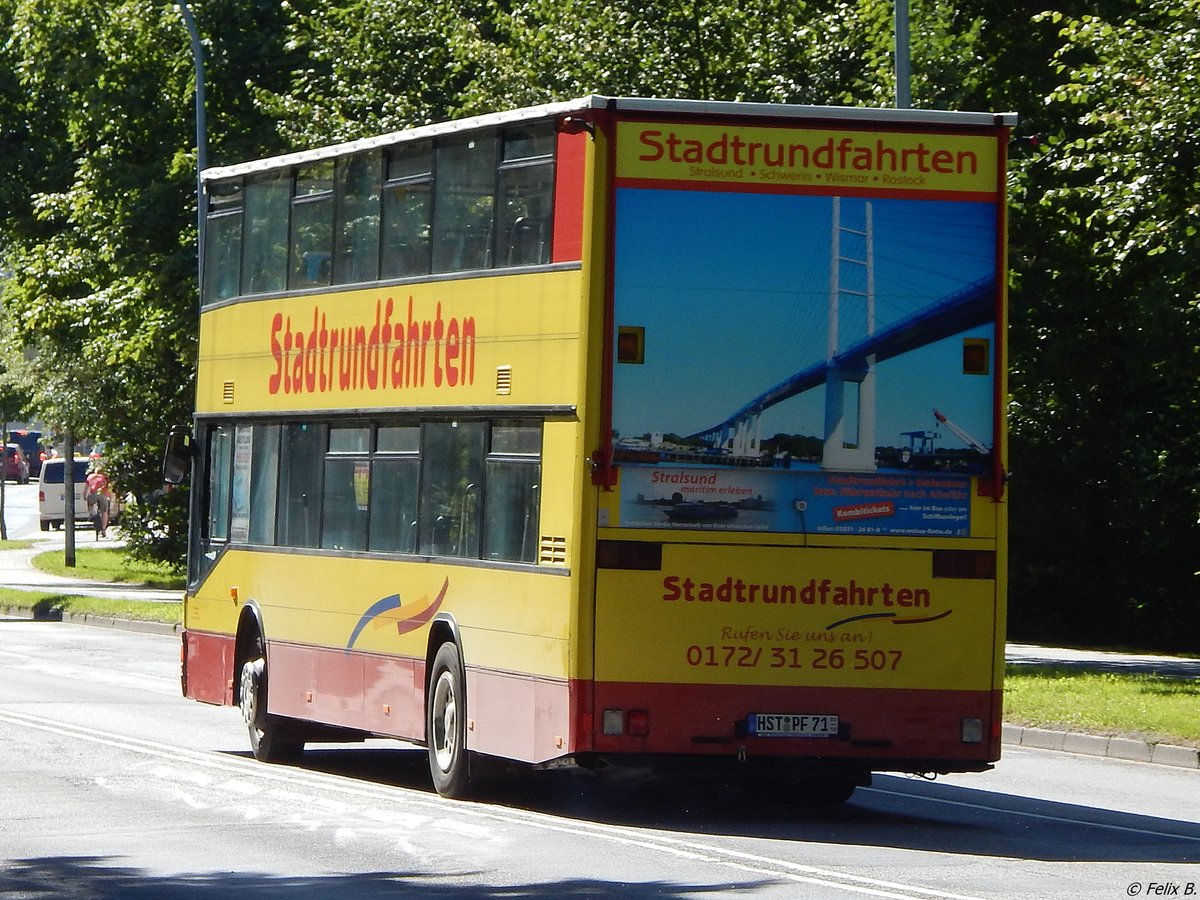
pixel 775 784
pixel 446 724
pixel 269 739
pixel 833 790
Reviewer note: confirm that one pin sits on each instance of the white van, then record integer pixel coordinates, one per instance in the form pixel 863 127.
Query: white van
pixel 51 493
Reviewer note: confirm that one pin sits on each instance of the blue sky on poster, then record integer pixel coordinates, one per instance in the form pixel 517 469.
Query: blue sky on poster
pixel 733 291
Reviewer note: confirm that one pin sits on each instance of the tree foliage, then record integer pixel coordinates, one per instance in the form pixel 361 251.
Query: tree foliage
pixel 1106 382
pixel 99 233
pixel 376 65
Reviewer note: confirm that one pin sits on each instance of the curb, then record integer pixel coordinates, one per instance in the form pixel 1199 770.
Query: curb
pixel 137 625
pixel 1113 747
pixel 122 624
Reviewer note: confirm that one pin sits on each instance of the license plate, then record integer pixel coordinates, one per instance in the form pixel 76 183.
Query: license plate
pixel 792 725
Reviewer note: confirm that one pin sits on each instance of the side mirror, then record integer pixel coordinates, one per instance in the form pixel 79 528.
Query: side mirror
pixel 177 462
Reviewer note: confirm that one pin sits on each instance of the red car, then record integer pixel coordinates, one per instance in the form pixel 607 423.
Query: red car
pixel 31 443
pixel 16 467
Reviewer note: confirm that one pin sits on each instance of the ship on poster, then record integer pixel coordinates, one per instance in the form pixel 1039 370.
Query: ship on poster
pixel 795 501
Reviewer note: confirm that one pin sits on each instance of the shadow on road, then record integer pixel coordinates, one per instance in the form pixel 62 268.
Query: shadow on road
pixel 92 877
pixel 896 812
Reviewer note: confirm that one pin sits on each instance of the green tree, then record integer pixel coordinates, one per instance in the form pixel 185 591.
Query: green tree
pixel 377 65
pixel 1106 381
pixel 835 51
pixel 14 402
pixel 99 229
pixel 366 67
pixel 101 289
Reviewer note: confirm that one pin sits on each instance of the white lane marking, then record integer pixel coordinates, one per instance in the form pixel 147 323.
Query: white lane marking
pixel 286 780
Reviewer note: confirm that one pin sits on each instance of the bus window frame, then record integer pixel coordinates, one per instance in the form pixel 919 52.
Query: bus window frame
pixel 307 475
pixel 273 200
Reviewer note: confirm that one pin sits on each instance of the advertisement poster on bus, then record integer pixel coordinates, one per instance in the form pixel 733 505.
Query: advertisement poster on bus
pixel 805 328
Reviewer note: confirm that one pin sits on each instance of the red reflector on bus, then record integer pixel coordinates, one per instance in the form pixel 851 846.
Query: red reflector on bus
pixel 631 344
pixel 637 722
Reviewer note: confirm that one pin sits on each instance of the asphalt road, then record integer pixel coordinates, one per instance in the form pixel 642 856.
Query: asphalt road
pixel 115 786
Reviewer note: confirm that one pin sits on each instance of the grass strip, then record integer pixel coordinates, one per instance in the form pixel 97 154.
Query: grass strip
pixel 1158 708
pixel 108 564
pixel 55 606
pixel 99 564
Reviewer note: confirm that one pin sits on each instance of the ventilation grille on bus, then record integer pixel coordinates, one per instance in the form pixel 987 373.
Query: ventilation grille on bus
pixel 504 380
pixel 553 551
pixel 227 392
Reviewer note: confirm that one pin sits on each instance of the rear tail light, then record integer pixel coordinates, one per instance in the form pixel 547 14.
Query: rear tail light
pixel 635 723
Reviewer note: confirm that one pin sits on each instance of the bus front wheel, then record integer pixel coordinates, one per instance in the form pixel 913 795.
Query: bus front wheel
pixel 445 723
pixel 268 739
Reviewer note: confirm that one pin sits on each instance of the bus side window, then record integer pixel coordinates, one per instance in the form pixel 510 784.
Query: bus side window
pixel 264 483
pixel 223 247
pixel 510 517
pixel 265 238
pixel 347 492
pixel 407 210
pixel 220 483
pixel 357 197
pixel 526 188
pixel 464 202
pixel 312 227
pixel 395 482
pixel 451 488
pixel 301 461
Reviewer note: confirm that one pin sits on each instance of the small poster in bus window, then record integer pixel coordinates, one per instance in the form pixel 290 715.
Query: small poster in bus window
pixel 805 350
pixel 239 522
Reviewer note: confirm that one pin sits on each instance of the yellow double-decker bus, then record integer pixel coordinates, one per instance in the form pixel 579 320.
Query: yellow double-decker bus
pixel 612 431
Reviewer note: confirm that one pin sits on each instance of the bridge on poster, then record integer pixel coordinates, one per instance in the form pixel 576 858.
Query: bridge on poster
pixel 958 311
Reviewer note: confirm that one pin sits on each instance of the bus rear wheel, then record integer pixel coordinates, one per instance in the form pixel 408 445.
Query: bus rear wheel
pixel 268 734
pixel 445 724
pixel 832 790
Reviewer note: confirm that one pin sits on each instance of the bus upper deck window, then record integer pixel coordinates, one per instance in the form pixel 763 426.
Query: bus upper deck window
pixel 223 249
pixel 312 227
pixel 357 192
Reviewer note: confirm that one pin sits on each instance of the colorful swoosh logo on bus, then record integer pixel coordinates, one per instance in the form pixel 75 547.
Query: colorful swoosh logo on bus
pixel 392 610
pixel 896 619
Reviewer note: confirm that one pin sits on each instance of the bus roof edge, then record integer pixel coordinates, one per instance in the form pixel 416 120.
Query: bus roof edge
pixel 888 116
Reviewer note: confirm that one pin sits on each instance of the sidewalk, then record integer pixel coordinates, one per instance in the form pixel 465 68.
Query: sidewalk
pixel 17 571
pixel 1101 661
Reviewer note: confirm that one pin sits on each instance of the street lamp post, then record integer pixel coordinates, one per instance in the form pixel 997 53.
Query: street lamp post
pixel 201 131
pixel 903 68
